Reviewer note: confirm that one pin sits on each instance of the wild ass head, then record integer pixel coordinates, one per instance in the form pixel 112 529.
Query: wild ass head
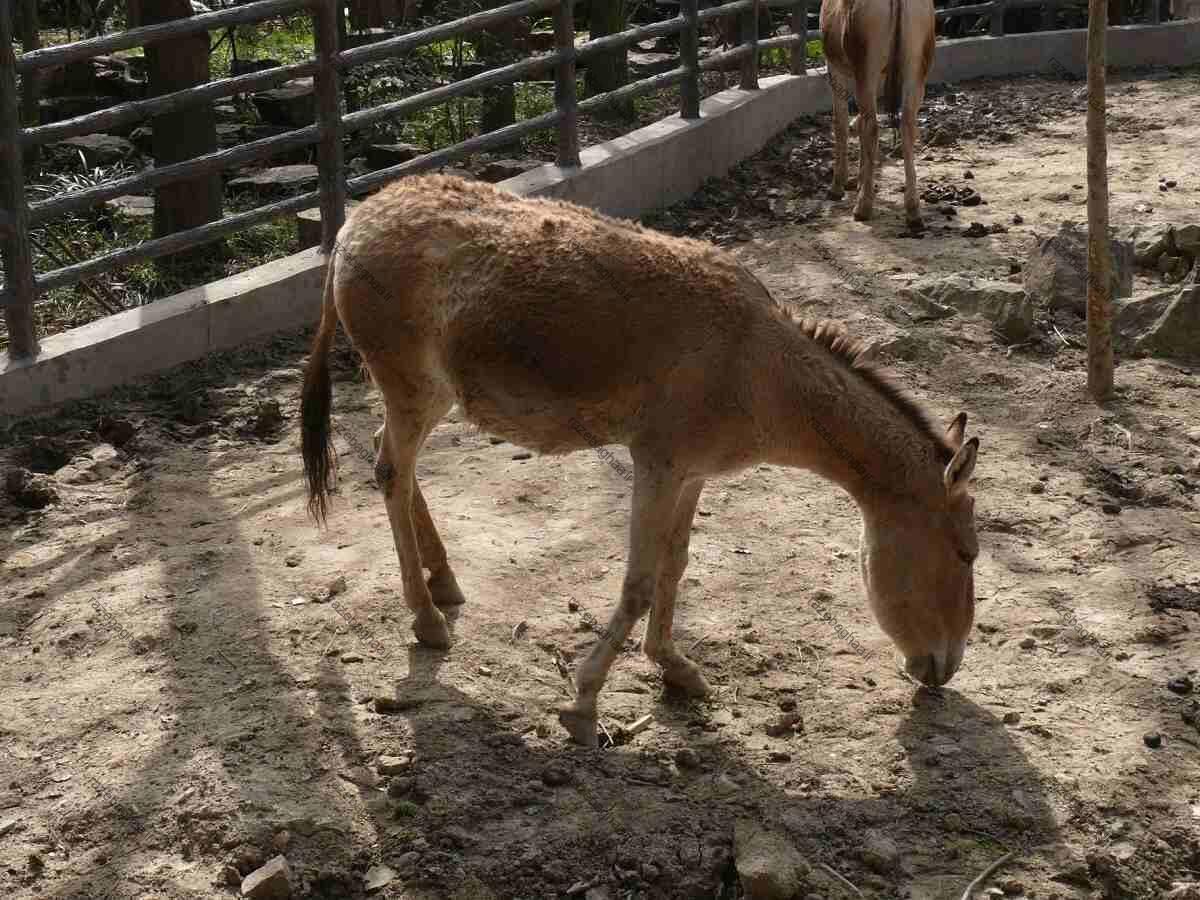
pixel 918 565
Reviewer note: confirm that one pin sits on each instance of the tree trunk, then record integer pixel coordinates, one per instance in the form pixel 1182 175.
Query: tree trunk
pixel 172 66
pixel 1099 280
pixel 373 13
pixel 608 71
pixel 495 47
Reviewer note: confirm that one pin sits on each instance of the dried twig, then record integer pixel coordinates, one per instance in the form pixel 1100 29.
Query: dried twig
pixel 1062 337
pixel 703 638
pixel 640 725
pixel 834 872
pixel 986 874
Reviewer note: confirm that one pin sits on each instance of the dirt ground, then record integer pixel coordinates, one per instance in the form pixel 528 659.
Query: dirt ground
pixel 195 678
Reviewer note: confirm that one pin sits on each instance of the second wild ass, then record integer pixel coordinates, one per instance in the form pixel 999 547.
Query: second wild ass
pixel 866 42
pixel 560 329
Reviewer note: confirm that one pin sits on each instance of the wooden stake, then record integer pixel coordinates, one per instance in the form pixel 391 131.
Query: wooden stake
pixel 1099 280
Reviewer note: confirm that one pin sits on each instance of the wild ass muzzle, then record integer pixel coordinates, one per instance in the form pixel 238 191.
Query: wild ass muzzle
pixel 559 329
pixel 867 41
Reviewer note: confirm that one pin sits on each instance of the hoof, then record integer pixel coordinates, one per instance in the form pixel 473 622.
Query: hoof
pixel 431 630
pixel 862 213
pixel 445 589
pixel 684 675
pixel 916 224
pixel 580 724
pixel 836 193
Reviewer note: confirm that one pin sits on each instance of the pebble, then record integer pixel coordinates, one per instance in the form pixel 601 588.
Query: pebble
pixel 785 724
pixel 393 765
pixel 968 174
pixel 1028 644
pixel 788 704
pixel 337 586
pixel 780 757
pixel 687 758
pixel 378 877
pixel 1181 685
pixel 1113 509
pixel 880 853
pixel 352 657
pixel 282 839
pixel 231 876
pixel 1018 219
pixel 522 455
pixel 1152 739
pixel 555 776
pixel 1037 488
pixel 269 882
pixel 1012 718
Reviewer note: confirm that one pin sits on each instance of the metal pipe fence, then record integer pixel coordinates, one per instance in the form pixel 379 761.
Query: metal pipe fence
pixel 22 285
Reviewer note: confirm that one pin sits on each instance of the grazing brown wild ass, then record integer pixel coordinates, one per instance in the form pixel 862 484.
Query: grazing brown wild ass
pixel 866 41
pixel 557 328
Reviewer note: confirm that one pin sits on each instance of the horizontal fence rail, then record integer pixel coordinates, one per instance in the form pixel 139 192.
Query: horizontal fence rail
pixel 330 62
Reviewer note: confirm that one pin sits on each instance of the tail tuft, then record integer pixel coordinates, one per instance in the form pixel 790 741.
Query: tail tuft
pixel 316 406
pixel 893 81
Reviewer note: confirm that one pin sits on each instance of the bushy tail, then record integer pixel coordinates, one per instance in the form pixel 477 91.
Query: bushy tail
pixel 316 404
pixel 893 85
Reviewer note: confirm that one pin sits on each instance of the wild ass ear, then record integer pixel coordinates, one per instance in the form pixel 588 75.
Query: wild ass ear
pixel 959 469
pixel 957 430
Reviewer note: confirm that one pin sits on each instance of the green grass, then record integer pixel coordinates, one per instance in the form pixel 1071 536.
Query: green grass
pixel 289 41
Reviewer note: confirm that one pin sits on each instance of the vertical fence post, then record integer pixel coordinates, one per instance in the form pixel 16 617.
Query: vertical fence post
pixel 30 84
pixel 689 59
pixel 1153 12
pixel 997 18
pixel 18 255
pixel 330 164
pixel 1050 16
pixel 749 35
pixel 799 60
pixel 566 100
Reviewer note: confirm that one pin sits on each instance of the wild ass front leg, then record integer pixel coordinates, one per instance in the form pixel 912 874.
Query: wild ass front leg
pixel 395 471
pixel 655 498
pixel 443 586
pixel 868 149
pixel 677 670
pixel 841 134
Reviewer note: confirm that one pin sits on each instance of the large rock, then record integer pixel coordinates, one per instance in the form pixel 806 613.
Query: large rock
pixel 769 867
pixel 1005 305
pixel 269 882
pixel 500 169
pixel 384 156
pixel 1187 239
pixel 1177 330
pixel 1150 241
pixel 98 149
pixel 55 109
pixel 1133 316
pixel 131 206
pixel 292 105
pixel 278 180
pixel 1056 273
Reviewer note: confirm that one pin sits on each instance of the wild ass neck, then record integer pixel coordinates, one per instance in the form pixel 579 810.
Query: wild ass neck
pixel 846 424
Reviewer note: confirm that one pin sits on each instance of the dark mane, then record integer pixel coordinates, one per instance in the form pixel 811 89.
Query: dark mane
pixel 857 357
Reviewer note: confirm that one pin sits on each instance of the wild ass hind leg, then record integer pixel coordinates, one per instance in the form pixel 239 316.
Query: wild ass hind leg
pixel 655 498
pixel 868 147
pixel 442 584
pixel 678 671
pixel 840 88
pixel 908 136
pixel 395 471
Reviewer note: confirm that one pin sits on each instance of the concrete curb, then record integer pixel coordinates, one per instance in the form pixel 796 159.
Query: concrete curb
pixel 647 169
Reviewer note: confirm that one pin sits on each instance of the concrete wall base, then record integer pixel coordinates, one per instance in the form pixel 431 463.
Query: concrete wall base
pixel 648 169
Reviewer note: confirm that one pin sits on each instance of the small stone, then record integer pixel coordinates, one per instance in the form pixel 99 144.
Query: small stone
pixel 880 853
pixel 231 876
pixel 337 586
pixel 1152 739
pixel 524 454
pixel 787 704
pixel 393 765
pixel 1018 219
pixel 378 877
pixel 1012 887
pixel 282 839
pixel 269 882
pixel 1181 685
pixel 975 230
pixel 502 169
pixel 572 606
pixel 1037 488
pixel 1028 644
pixel 687 758
pixel 30 491
pixel 484 671
pixel 352 657
pixel 768 865
pixel 293 559
pixel 1011 718
pixel 786 724
pixel 401 787
pixel 779 756
pixel 968 174
pixel 556 776
pixel 1112 509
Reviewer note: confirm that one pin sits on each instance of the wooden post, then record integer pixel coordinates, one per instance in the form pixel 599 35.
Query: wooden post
pixel 565 95
pixel 30 84
pixel 799 60
pixel 1116 12
pixel 18 254
pixel 689 58
pixel 1099 279
pixel 330 164
pixel 997 18
pixel 1153 12
pixel 175 65
pixel 1050 16
pixel 748 22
